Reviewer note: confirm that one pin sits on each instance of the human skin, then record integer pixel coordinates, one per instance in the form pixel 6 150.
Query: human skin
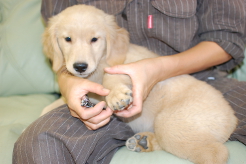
pixel 73 89
pixel 144 75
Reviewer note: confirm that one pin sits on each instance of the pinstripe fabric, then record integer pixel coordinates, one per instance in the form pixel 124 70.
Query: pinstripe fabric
pixel 235 93
pixel 57 137
pixel 177 26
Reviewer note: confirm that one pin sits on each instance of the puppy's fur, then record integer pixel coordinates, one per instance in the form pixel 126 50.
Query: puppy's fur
pixel 181 115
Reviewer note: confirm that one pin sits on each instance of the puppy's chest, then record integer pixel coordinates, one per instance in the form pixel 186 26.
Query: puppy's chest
pixel 97 76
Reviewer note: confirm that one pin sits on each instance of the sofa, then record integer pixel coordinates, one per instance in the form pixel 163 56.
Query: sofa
pixel 27 84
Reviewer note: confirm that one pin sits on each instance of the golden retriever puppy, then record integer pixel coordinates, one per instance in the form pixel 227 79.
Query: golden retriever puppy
pixel 181 115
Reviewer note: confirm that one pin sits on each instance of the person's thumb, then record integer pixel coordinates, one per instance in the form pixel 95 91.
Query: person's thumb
pixel 118 69
pixel 96 88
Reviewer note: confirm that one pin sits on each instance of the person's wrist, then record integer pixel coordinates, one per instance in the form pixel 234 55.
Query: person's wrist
pixel 66 82
pixel 167 67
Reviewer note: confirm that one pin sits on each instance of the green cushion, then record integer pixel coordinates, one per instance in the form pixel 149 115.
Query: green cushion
pixel 16 113
pixel 25 70
pixel 236 149
pixel 23 66
pixel 240 71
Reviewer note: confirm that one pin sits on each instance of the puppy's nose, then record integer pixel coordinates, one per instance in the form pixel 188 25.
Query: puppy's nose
pixel 80 67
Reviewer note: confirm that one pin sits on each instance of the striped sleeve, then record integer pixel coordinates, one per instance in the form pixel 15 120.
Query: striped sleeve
pixel 50 8
pixel 224 22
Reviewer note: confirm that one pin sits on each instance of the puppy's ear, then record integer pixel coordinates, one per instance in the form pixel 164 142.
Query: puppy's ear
pixel 51 46
pixel 117 42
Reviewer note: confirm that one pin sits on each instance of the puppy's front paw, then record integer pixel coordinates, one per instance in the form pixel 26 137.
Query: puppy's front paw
pixel 119 98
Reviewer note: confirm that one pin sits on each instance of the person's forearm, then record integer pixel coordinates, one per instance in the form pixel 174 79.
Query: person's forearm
pixel 65 80
pixel 202 56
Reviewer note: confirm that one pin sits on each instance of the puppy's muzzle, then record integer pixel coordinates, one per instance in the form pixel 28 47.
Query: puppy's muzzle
pixel 80 67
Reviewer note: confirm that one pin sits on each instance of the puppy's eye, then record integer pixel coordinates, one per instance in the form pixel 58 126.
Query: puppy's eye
pixel 68 39
pixel 94 40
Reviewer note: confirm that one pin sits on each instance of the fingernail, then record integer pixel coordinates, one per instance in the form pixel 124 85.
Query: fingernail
pixel 106 90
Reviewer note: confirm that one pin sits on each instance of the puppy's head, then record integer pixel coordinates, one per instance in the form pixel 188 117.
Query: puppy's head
pixel 81 37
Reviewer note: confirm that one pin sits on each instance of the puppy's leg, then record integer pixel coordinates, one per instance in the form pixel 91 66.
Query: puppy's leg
pixel 211 153
pixel 143 142
pixel 120 96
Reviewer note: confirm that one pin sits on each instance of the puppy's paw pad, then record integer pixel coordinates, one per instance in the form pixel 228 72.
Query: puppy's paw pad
pixel 119 98
pixel 137 143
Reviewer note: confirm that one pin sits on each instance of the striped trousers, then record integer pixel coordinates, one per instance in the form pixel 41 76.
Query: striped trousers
pixel 57 137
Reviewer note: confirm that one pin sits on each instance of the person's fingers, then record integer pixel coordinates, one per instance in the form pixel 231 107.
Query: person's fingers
pixel 126 113
pixel 74 104
pixel 100 120
pixel 92 126
pixel 101 116
pixel 137 89
pixel 95 88
pixel 93 122
pixel 73 113
pixel 87 113
pixel 136 106
pixel 118 69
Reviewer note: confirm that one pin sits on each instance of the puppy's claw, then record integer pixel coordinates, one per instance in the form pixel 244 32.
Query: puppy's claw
pixel 119 98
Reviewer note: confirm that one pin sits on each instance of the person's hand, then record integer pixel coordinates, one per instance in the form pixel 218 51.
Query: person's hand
pixel 74 89
pixel 144 75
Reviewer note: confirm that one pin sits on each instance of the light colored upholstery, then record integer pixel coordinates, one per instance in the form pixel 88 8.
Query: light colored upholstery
pixel 123 156
pixel 27 84
pixel 240 72
pixel 23 67
pixel 16 113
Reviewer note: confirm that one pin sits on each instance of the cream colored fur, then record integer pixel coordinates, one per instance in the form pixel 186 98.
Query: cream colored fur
pixel 189 118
